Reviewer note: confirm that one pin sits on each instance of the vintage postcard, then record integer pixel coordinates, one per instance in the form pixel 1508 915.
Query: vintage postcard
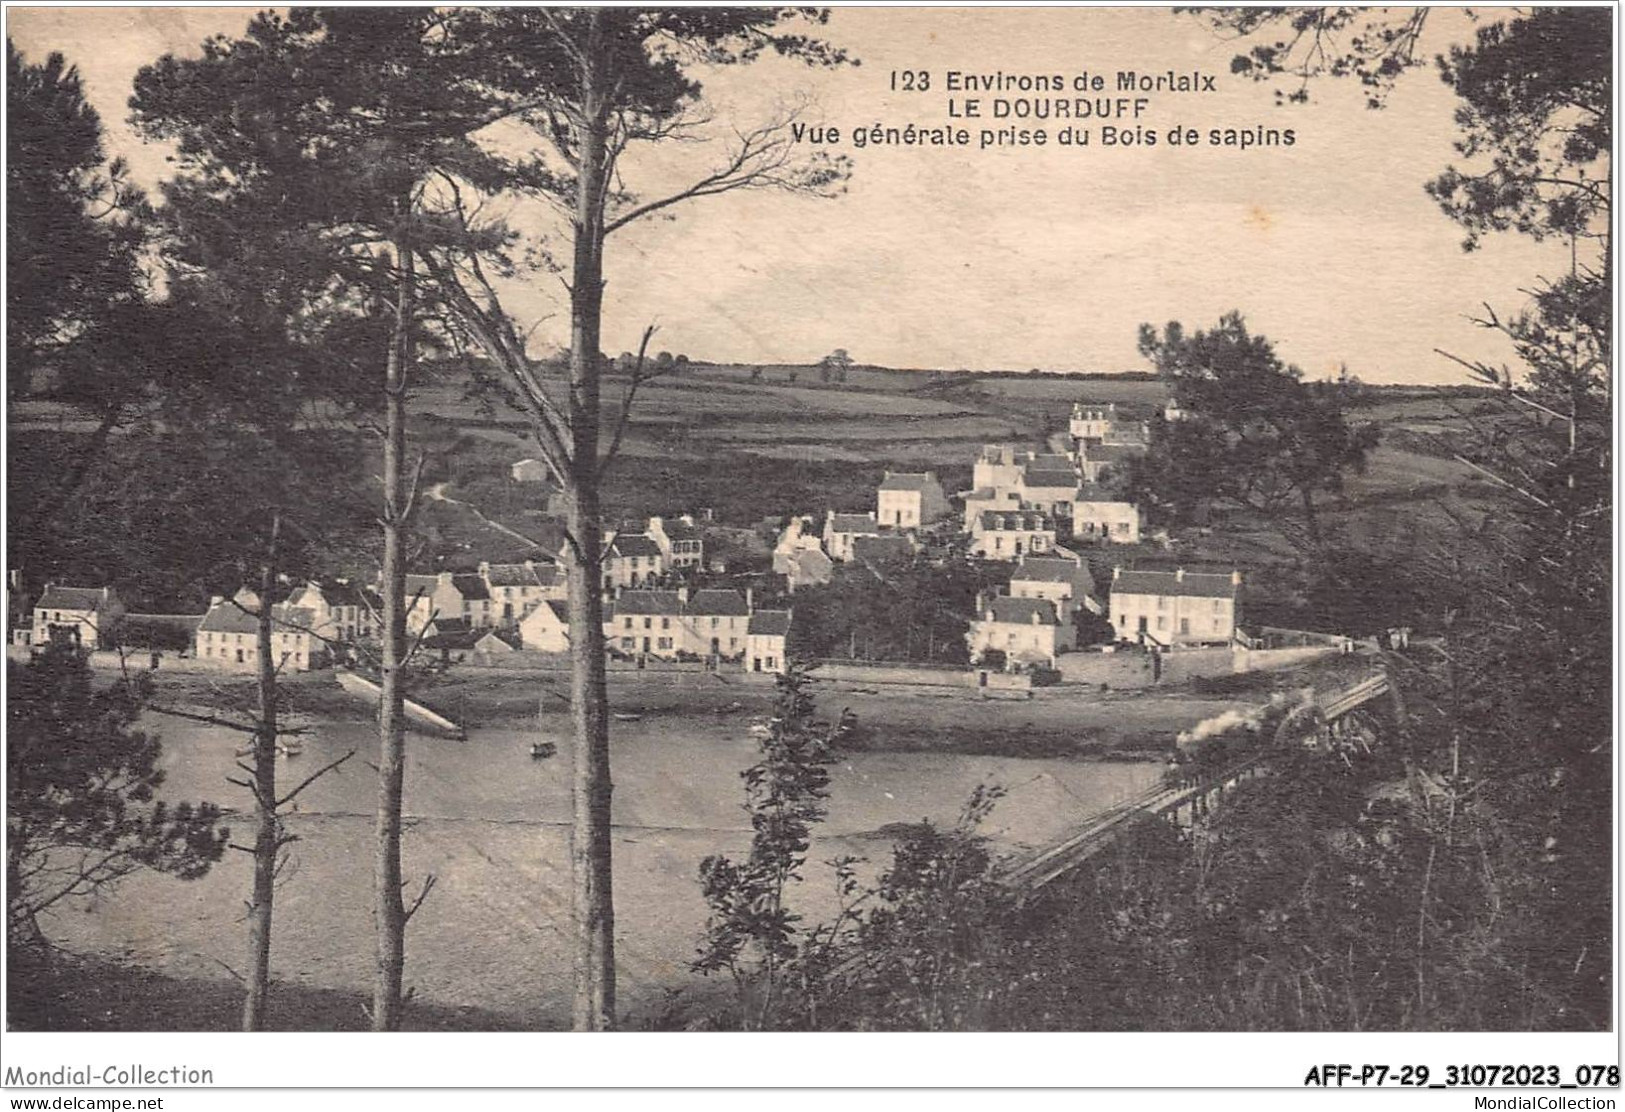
pixel 1086 521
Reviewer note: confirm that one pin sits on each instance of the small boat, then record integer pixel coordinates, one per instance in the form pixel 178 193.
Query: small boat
pixel 539 750
pixel 627 717
pixel 290 748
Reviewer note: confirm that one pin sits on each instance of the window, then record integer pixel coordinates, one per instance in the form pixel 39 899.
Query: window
pixel 1184 626
pixel 629 642
pixel 629 623
pixel 713 623
pixel 665 642
pixel 1218 605
pixel 665 623
pixel 648 623
pixel 1162 622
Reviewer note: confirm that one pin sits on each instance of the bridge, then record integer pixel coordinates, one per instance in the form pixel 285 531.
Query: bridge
pixel 1321 717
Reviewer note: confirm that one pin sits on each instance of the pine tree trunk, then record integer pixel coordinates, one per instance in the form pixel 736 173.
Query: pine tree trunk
pixel 594 1007
pixel 268 829
pixel 390 911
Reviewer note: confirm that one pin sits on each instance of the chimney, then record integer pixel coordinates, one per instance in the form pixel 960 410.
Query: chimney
pixel 530 565
pixel 216 600
pixel 1179 575
pixel 485 569
pixel 1117 570
pixel 444 579
pixel 1235 578
pixel 1035 615
pixel 750 599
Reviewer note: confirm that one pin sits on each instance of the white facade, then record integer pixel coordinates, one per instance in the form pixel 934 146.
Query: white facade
pixel 1175 608
pixel 910 500
pixel 1010 535
pixel 1106 521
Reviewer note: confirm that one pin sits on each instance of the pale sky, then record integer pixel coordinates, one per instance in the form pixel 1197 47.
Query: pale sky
pixel 1008 259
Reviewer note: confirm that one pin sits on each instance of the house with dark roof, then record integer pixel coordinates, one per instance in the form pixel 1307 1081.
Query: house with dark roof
pixel 516 589
pixel 228 636
pixel 910 500
pixel 631 560
pixel 840 530
pixel 341 611
pixel 1028 631
pixel 1100 515
pixel 765 638
pixel 1063 579
pixel 1011 534
pixel 1049 488
pixel 85 616
pixel 1179 607
pixel 799 555
pixel 447 595
pixel 680 540
pixel 710 622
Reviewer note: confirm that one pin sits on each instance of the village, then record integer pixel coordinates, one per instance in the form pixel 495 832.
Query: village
pixel 1043 521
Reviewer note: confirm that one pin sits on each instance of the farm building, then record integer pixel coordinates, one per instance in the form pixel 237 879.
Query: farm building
pixel 840 530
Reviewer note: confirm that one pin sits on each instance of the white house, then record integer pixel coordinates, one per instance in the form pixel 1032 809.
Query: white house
pixel 1027 630
pixel 447 595
pixel 1175 607
pixel 998 468
pixel 681 543
pixel 1098 515
pixel 840 530
pixel 339 610
pixel 1009 535
pixel 1062 580
pixel 1090 422
pixel 85 616
pixel 715 623
pixel 516 589
pixel 1048 488
pixel 765 641
pixel 910 500
pixel 983 499
pixel 228 636
pixel 631 560
pixel 546 627
pixel 665 623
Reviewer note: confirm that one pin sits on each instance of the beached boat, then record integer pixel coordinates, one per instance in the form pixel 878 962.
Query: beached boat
pixel 417 715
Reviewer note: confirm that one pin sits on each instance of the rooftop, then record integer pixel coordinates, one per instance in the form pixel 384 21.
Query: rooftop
pixel 1011 520
pixel 634 544
pixel 71 598
pixel 1190 584
pixel 1021 611
pixel 230 617
pixel 909 480
pixel 1049 569
pixel 769 623
pixel 854 523
pixel 721 601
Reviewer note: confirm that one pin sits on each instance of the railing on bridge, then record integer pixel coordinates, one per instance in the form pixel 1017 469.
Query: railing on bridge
pixel 1029 873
